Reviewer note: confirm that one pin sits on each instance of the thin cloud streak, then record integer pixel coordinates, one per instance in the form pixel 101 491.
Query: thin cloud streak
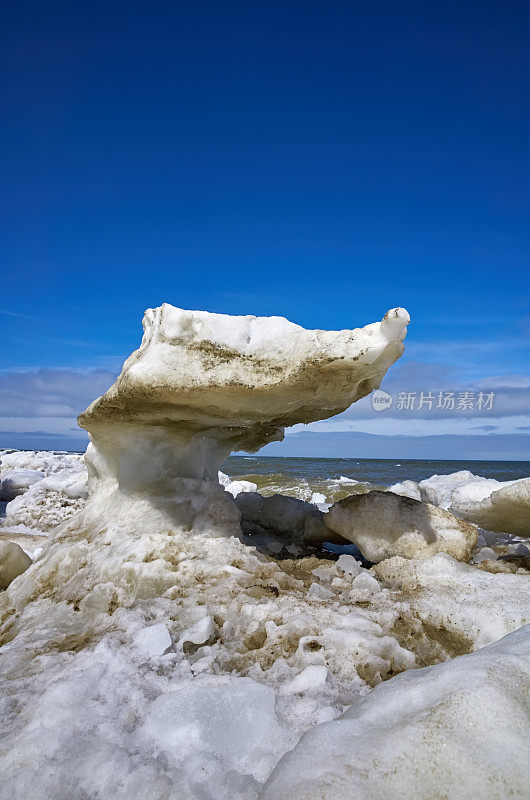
pixel 23 316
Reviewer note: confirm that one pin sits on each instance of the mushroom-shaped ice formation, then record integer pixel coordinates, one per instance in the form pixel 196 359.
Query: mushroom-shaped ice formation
pixel 203 385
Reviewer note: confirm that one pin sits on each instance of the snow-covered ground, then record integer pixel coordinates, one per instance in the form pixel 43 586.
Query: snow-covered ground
pixel 141 658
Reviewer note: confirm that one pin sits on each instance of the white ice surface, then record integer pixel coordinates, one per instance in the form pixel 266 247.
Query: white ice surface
pixel 153 640
pixel 457 730
pixel 228 727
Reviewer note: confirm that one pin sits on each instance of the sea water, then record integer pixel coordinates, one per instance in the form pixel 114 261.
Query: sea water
pixel 339 477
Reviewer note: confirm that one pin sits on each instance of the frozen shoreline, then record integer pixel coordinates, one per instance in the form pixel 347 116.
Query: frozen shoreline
pixel 177 633
pixel 299 641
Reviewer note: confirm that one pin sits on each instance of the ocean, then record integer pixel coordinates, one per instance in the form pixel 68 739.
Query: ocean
pixel 301 477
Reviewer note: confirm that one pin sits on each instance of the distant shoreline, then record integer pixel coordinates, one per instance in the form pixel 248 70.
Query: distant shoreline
pixel 309 458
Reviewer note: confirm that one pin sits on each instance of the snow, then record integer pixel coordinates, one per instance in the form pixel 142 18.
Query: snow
pixel 457 730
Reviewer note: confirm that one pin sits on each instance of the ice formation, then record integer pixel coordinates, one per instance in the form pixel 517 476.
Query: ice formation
pixel 203 385
pixel 460 606
pixel 384 524
pixel 115 620
pixel 443 490
pixel 454 730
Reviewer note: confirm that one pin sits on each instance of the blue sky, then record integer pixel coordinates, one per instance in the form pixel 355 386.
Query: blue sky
pixel 322 161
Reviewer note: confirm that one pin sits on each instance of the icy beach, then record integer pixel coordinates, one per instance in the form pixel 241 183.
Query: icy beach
pixel 170 632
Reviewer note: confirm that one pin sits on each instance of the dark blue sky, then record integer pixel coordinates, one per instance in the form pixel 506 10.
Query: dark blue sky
pixel 322 161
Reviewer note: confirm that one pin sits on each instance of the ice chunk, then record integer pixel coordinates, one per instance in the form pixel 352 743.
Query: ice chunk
pixel 438 489
pixel 199 633
pixel 223 479
pixel 13 562
pixel 349 564
pixel 319 592
pixel 484 554
pixel 153 640
pixel 323 573
pixel 311 679
pixel 507 509
pixel 383 524
pixel 281 514
pixel 448 491
pixel 468 607
pixel 317 498
pixel 364 586
pixel 406 489
pixel 236 487
pixel 235 724
pixel 203 385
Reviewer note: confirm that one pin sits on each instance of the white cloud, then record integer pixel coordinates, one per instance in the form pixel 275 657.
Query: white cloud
pixel 389 426
pixel 47 401
pixel 49 394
